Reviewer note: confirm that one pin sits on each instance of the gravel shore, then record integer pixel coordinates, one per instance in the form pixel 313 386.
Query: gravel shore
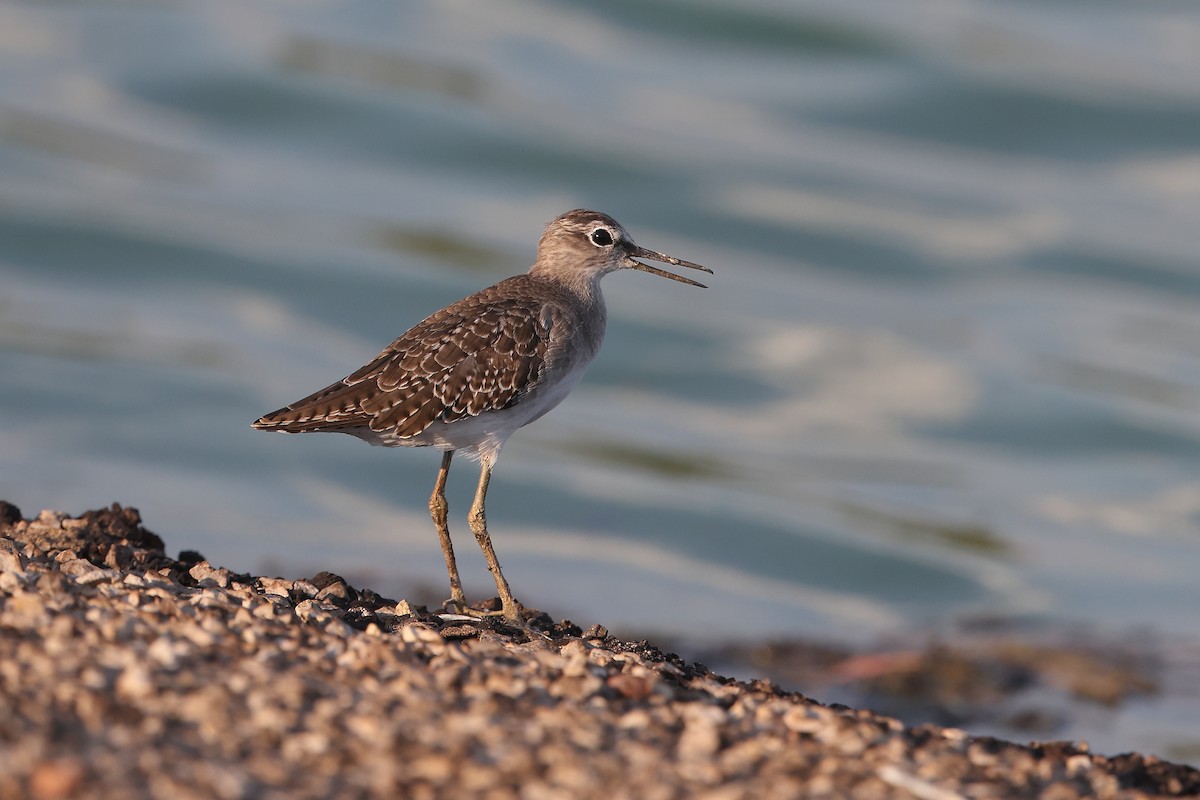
pixel 128 673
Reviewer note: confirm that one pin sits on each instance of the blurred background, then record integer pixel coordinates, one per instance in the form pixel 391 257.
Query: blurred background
pixel 948 369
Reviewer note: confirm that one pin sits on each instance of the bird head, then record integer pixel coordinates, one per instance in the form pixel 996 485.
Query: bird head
pixel 583 243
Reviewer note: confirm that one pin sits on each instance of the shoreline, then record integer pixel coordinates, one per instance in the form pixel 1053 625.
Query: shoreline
pixel 131 673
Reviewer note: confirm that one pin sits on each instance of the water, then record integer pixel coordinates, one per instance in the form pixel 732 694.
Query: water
pixel 949 364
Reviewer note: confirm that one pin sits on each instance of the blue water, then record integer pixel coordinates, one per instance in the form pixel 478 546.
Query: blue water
pixel 948 366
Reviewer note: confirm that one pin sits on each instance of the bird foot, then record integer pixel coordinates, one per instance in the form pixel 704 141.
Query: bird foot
pixel 512 616
pixel 455 605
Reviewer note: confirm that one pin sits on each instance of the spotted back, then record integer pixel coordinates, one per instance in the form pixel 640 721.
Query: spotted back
pixel 478 355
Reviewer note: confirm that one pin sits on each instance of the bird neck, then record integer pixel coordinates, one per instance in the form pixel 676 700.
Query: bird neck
pixel 583 284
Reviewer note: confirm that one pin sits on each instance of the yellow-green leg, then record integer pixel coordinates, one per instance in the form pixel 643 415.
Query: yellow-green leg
pixel 478 520
pixel 437 509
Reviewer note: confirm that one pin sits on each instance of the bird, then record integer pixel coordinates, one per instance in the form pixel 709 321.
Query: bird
pixel 466 377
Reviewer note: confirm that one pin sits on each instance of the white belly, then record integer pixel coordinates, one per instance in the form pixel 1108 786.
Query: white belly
pixel 482 437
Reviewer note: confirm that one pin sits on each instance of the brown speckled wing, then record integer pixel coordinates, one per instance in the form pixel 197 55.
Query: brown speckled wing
pixel 478 355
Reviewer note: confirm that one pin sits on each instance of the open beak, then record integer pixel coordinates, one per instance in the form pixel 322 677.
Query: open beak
pixel 641 252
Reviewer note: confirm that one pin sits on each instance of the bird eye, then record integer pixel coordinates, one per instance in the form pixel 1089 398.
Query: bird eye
pixel 601 237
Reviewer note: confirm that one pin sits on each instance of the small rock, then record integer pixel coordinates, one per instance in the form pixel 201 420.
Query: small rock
pixel 420 633
pixel 576 648
pixel 336 592
pixel 53 780
pixel 359 617
pixel 50 519
pixel 11 581
pixel 207 575
pixel 10 557
pixel 373 600
pixel 324 579
pixel 596 632
pixel 600 656
pixel 75 566
pixel 276 586
pixel 634 720
pixel 25 610
pixel 134 683
pixel 9 514
pixel 1078 764
pixel 196 634
pixel 701 737
pixel 453 632
pixel 302 589
pixel 189 557
pixel 52 584
pixel 309 610
pixel 166 653
pixel 96 575
pixel 119 556
pixel 632 687
pixel 802 719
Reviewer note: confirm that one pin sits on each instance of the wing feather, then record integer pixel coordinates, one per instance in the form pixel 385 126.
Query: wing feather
pixel 478 355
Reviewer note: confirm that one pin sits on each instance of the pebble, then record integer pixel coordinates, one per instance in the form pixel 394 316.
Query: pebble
pixel 10 557
pixel 701 736
pixel 334 592
pixel 128 674
pixel 12 581
pixel 276 586
pixel 633 687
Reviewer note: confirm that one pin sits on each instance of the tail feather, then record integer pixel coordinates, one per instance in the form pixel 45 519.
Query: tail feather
pixel 336 407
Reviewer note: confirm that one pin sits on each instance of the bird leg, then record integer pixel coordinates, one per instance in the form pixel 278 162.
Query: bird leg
pixel 437 509
pixel 478 520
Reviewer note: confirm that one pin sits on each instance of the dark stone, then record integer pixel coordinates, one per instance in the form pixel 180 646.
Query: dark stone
pixel 1150 774
pixel 190 558
pixel 373 600
pixel 92 540
pixel 9 514
pixel 323 579
pixel 360 618
pixel 454 632
pixel 389 623
pixel 120 556
pixel 560 630
pixel 489 605
pixel 117 522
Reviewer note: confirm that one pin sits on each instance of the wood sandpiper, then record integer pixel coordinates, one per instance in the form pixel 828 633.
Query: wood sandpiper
pixel 466 377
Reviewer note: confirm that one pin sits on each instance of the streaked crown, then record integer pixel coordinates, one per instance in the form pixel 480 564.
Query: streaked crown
pixel 586 245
